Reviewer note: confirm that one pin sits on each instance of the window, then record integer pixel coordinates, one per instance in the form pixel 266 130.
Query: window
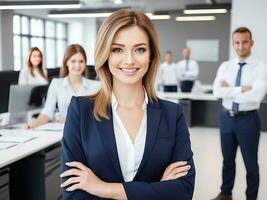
pixel 49 36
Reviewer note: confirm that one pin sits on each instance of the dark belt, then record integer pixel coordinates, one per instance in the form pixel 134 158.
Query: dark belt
pixel 233 114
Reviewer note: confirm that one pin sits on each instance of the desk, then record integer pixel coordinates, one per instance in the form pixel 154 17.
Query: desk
pixel 201 109
pixel 185 95
pixel 43 140
pixel 29 163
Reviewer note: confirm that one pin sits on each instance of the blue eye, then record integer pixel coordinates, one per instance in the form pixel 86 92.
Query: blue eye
pixel 141 50
pixel 117 50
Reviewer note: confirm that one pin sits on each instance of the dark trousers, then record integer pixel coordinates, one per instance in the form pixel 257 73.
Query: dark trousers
pixel 186 86
pixel 170 88
pixel 241 130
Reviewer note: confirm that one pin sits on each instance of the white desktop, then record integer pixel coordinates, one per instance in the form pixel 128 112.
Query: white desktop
pixel 26 142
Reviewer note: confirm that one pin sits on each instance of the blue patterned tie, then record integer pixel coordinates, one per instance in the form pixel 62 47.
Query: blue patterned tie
pixel 235 106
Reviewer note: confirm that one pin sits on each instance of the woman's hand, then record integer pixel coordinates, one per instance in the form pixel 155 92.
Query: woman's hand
pixel 175 170
pixel 61 120
pixel 82 178
pixel 30 125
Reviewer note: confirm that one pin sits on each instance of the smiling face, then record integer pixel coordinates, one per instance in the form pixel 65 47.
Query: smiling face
pixel 129 56
pixel 76 64
pixel 242 44
pixel 35 58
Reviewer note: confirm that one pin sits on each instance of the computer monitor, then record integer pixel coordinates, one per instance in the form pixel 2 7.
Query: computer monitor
pixel 24 98
pixel 38 95
pixel 4 88
pixel 6 79
pixel 91 72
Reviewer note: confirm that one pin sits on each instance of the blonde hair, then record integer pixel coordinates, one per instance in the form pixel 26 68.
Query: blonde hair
pixel 69 52
pixel 40 65
pixel 118 20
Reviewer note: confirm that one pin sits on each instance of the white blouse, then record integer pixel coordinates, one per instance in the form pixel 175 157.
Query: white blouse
pixel 130 154
pixel 25 77
pixel 60 93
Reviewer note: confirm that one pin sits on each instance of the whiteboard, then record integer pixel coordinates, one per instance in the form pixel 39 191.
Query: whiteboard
pixel 204 50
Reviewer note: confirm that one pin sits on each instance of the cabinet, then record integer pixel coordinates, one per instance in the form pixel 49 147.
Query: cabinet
pixel 4 184
pixel 36 176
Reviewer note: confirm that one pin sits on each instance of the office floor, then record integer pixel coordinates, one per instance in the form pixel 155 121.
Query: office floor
pixel 208 161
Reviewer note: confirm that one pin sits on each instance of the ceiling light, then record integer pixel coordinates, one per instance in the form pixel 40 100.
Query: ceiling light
pixel 11 5
pixel 79 15
pixel 196 18
pixel 205 11
pixel 157 17
pixel 118 2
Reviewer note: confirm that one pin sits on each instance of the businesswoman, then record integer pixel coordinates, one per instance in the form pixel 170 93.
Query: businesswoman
pixel 34 73
pixel 124 142
pixel 73 82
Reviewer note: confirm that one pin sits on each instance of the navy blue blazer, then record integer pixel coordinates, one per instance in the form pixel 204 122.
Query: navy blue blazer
pixel 93 143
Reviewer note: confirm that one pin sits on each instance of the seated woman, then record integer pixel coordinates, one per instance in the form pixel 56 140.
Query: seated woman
pixel 71 83
pixel 123 142
pixel 34 73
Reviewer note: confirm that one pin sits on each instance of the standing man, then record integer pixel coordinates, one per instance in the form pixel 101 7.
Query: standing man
pixel 187 71
pixel 241 83
pixel 167 74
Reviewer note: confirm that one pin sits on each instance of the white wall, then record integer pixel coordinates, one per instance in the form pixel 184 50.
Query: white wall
pixel 253 15
pixel 6 39
pixel 89 38
pixel 84 33
pixel 75 32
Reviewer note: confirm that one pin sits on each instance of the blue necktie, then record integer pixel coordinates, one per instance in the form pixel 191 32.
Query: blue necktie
pixel 235 106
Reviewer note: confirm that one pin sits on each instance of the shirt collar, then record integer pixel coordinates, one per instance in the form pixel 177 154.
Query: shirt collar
pixel 114 102
pixel 66 82
pixel 248 61
pixel 165 63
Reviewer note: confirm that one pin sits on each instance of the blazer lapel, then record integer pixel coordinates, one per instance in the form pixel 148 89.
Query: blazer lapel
pixel 153 119
pixel 106 132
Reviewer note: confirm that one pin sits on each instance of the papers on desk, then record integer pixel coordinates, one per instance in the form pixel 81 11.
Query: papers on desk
pixel 18 138
pixel 6 145
pixel 50 127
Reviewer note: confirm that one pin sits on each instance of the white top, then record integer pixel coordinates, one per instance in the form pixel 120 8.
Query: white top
pixel 254 74
pixel 130 155
pixel 167 74
pixel 187 70
pixel 25 77
pixel 60 93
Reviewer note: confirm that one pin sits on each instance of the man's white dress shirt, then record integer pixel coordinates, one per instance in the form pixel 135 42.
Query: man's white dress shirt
pixel 254 74
pixel 167 74
pixel 187 70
